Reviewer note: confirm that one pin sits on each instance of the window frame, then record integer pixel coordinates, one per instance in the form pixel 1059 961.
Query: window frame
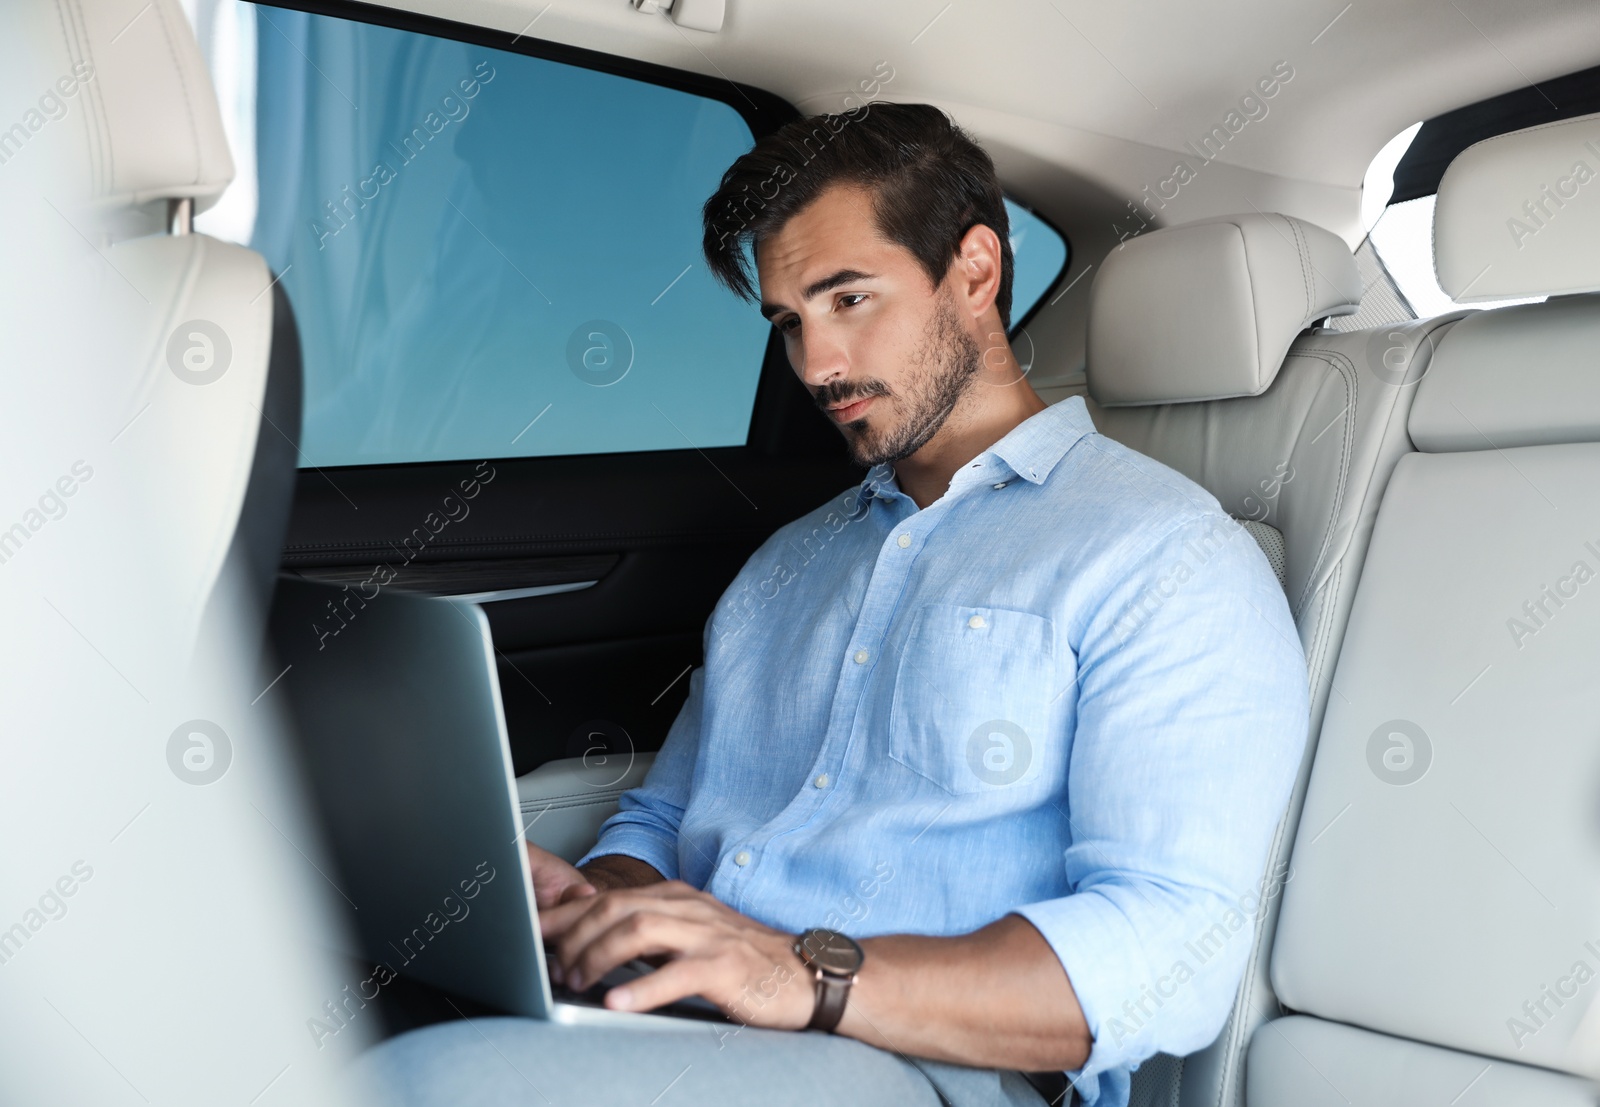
pixel 763 111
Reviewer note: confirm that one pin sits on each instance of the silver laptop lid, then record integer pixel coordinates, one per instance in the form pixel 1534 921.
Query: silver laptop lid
pixel 403 740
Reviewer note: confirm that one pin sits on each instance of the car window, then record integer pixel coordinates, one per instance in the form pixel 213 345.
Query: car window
pixel 490 254
pixel 1040 255
pixel 1400 235
pixel 1403 238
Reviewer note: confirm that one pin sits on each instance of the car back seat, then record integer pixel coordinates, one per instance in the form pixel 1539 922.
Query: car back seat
pixel 1198 356
pixel 214 401
pixel 564 801
pixel 1439 938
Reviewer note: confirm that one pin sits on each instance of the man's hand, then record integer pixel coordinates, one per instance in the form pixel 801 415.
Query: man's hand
pixel 995 998
pixel 748 970
pixel 555 881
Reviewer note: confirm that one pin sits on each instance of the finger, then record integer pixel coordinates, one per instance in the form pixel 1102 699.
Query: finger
pixel 550 891
pixel 751 991
pixel 578 891
pixel 640 934
pixel 551 875
pixel 556 919
pixel 580 921
pixel 686 976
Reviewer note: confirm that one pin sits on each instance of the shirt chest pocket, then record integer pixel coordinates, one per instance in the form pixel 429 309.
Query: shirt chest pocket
pixel 972 697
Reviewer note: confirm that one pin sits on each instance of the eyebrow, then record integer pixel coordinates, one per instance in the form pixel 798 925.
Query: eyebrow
pixel 817 288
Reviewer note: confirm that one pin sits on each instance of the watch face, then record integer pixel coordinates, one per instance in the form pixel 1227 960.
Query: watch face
pixel 832 952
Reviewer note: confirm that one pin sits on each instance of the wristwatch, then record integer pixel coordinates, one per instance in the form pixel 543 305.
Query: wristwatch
pixel 836 960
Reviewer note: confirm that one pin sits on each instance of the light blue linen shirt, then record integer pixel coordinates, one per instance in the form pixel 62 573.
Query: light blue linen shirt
pixel 1069 689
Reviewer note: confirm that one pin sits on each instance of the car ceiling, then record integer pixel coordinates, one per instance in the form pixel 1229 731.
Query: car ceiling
pixel 1085 105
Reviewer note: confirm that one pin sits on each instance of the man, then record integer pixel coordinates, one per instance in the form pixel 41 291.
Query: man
pixel 1017 716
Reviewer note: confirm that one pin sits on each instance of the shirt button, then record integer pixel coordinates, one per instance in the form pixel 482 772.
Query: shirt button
pixel 742 858
pixel 904 540
pixel 999 486
pixel 821 781
pixel 976 622
pixel 861 657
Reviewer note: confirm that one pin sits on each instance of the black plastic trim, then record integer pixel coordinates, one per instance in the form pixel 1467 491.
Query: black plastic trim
pixel 762 110
pixel 1444 136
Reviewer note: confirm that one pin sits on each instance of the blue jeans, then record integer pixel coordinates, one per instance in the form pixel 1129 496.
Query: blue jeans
pixel 497 1062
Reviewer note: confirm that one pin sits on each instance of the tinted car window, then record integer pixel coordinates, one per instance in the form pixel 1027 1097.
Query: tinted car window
pixel 1040 255
pixel 493 255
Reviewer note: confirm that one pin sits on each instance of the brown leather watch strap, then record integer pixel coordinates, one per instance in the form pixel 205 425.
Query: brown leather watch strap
pixel 832 993
pixel 834 959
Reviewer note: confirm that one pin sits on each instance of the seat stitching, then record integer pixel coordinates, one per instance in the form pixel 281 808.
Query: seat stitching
pixel 1347 374
pixel 1310 271
pixel 1303 250
pixel 69 42
pixel 563 800
pixel 1340 364
pixel 100 130
pixel 1319 640
pixel 1255 316
pixel 183 84
pixel 1443 324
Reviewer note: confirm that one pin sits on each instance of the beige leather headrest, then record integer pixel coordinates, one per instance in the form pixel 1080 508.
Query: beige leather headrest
pixel 133 93
pixel 1515 376
pixel 1207 310
pixel 1519 215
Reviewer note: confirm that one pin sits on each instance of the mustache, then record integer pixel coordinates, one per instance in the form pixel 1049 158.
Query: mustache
pixel 839 392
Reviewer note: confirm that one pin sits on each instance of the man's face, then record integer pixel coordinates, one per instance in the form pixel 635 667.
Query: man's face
pixel 884 353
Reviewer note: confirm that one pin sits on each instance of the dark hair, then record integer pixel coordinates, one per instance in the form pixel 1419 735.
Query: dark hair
pixel 931 183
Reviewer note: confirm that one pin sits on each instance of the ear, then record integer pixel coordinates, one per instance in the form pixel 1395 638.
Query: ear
pixel 976 270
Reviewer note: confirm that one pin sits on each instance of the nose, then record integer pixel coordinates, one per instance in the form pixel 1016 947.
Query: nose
pixel 818 359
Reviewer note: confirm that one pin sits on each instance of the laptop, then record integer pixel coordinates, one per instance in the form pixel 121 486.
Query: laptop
pixel 402 738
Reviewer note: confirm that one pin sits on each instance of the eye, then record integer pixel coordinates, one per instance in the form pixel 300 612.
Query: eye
pixel 787 323
pixel 851 299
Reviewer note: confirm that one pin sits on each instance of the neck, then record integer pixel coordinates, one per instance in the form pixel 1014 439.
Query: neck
pixel 996 402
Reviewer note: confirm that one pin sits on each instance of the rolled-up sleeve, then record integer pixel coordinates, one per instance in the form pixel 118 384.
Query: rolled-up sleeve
pixel 1191 722
pixel 648 817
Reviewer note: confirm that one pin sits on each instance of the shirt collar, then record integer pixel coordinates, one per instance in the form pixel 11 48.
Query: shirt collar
pixel 1030 450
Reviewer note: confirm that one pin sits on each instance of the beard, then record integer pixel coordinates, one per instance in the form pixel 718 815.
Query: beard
pixel 947 363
